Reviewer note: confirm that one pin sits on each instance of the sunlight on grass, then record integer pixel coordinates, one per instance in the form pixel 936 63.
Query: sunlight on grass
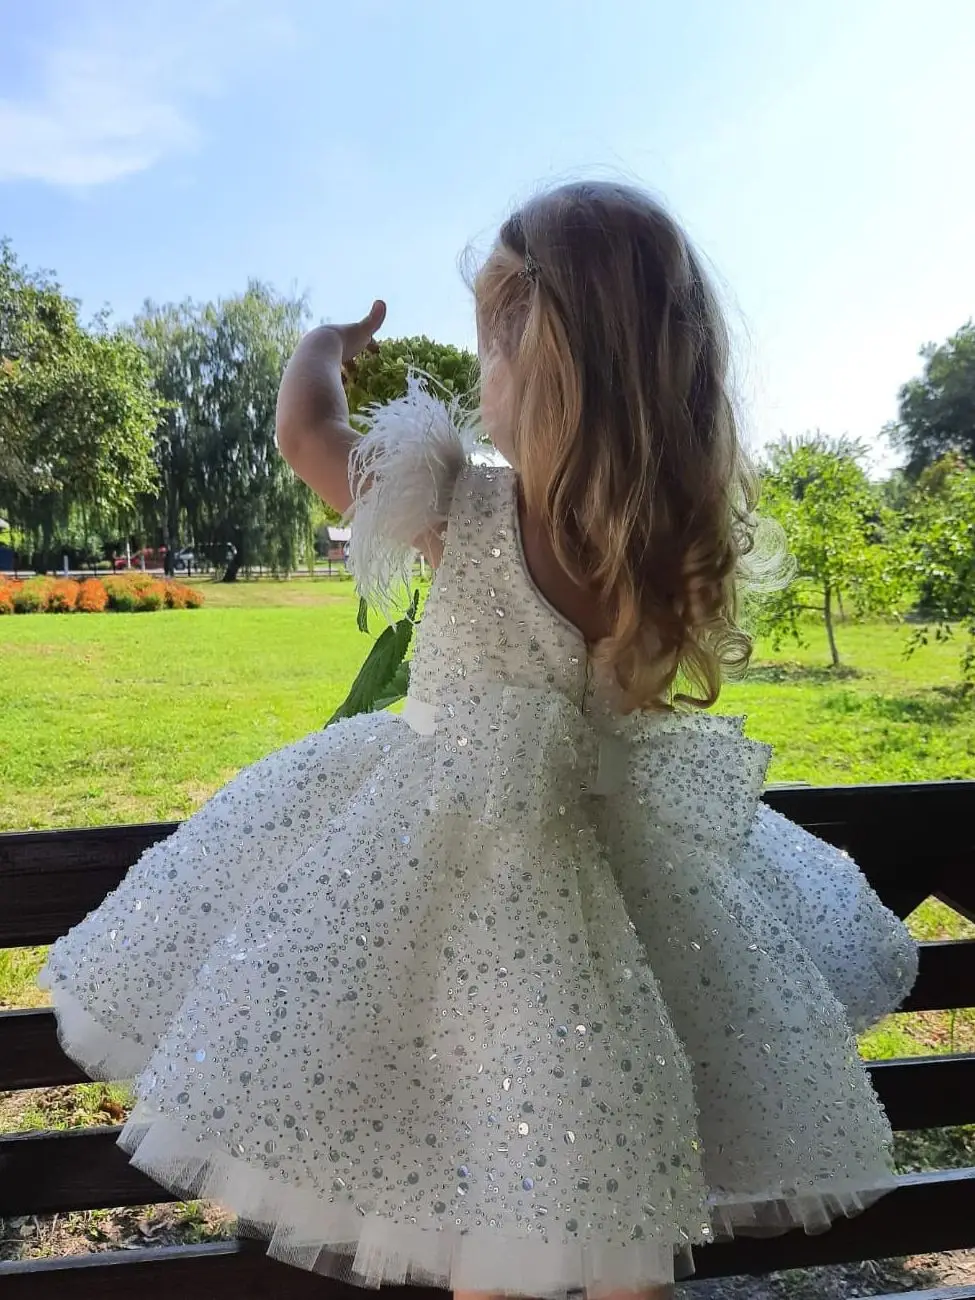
pixel 141 717
pixel 19 968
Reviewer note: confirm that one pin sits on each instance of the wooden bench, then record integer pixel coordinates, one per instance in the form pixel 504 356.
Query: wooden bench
pixel 913 841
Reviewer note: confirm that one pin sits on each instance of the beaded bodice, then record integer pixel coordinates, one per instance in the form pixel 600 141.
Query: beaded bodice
pixel 485 622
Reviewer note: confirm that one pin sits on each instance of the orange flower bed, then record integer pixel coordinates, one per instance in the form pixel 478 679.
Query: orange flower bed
pixel 92 597
pixel 31 596
pixel 62 597
pixel 133 593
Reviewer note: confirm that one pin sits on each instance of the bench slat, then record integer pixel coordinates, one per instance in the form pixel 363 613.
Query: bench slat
pixel 946 977
pixel 924 1092
pixel 925 1214
pixel 51 879
pixel 218 1271
pixel 941 1293
pixel 81 1169
pixel 84 1169
pixel 31 1057
pixel 30 1054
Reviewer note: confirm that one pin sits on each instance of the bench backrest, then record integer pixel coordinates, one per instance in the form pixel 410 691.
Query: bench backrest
pixel 912 841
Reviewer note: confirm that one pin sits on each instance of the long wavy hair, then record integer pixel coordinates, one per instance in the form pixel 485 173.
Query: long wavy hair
pixel 623 431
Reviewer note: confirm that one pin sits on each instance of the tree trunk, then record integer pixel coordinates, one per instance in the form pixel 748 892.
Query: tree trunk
pixel 828 617
pixel 235 558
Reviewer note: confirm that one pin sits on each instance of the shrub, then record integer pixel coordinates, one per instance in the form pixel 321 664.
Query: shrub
pixel 31 597
pixel 126 593
pixel 92 597
pixel 179 596
pixel 121 595
pixel 149 596
pixel 62 597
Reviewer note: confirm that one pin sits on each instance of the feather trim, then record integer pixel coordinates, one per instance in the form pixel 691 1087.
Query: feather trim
pixel 402 474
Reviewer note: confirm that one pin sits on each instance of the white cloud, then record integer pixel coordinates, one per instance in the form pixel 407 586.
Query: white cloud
pixel 117 91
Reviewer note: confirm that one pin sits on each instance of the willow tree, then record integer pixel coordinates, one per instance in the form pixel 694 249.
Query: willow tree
pixel 223 484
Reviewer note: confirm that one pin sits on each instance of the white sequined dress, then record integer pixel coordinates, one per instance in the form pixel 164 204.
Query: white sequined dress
pixel 509 993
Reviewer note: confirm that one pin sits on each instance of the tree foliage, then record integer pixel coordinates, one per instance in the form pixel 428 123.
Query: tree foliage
pixel 941 529
pixel 381 376
pixel 841 535
pixel 77 411
pixel 937 410
pixel 217 367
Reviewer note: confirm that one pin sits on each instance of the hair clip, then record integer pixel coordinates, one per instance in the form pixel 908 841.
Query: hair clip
pixel 532 269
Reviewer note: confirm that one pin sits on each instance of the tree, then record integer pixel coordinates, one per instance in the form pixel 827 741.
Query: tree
pixel 941 528
pixel 381 376
pixel 937 411
pixel 217 367
pixel 77 411
pixel 841 535
pixel 171 345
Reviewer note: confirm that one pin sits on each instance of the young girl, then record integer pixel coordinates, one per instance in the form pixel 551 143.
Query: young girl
pixel 524 991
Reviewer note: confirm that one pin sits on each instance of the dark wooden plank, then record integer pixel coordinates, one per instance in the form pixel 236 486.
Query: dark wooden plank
pixel 50 880
pixel 915 806
pixel 219 1271
pixel 926 1092
pixel 42 1173
pixel 907 838
pixel 30 1054
pixel 31 1057
pixel 82 1169
pixel 946 977
pixel 957 886
pixel 940 1293
pixel 926 1213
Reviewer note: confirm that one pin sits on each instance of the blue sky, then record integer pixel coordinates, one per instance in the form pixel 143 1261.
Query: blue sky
pixel 819 151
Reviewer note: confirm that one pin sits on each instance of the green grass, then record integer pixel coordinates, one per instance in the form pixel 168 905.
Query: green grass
pixel 129 717
pixel 882 717
pixel 114 718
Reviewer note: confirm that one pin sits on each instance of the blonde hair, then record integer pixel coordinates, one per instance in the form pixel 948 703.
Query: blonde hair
pixel 624 434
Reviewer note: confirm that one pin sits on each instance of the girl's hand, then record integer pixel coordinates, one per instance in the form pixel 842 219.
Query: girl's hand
pixel 313 428
pixel 358 337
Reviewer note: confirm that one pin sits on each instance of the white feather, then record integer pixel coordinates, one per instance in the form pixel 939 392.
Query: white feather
pixel 402 474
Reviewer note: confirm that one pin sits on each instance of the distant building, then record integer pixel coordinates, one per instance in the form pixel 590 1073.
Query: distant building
pixel 338 542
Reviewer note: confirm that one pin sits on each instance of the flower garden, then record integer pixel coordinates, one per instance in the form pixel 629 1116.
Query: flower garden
pixel 116 593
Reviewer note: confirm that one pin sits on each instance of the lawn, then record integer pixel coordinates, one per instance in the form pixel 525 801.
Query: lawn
pixel 114 718
pixel 134 717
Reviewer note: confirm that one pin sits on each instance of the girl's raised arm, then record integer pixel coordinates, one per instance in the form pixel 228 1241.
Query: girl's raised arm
pixel 313 428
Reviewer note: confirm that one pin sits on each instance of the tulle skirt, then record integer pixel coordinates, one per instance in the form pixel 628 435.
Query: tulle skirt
pixel 451 1008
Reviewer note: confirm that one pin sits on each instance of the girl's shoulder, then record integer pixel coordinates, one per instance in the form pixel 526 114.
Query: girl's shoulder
pixel 405 473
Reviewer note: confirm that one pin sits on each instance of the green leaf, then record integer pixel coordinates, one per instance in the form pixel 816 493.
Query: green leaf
pixel 362 618
pixel 383 678
pixel 398 686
